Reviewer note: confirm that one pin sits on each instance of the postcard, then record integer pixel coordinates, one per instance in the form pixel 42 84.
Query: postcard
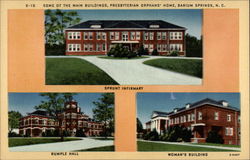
pixel 124 80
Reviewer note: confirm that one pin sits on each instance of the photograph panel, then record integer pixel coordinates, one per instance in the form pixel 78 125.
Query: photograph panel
pixel 126 47
pixel 174 121
pixel 53 122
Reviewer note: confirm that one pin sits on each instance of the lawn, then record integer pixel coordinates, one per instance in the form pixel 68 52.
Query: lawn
pixel 29 141
pixel 151 146
pixel 124 58
pixel 219 145
pixel 74 71
pixel 105 148
pixel 191 67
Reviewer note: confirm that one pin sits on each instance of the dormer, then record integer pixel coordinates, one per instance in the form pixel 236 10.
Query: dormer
pixel 154 26
pixel 187 105
pixel 224 103
pixel 95 26
pixel 175 110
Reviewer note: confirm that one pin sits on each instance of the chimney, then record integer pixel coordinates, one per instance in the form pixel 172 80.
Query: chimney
pixel 175 110
pixel 187 105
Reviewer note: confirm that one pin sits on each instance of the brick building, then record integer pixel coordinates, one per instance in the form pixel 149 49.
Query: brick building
pixel 71 120
pixel 201 117
pixel 96 37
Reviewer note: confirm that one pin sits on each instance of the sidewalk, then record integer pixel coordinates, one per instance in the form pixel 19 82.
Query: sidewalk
pixel 85 143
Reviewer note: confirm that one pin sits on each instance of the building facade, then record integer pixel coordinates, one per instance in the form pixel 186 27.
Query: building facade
pixel 202 117
pixel 70 120
pixel 98 37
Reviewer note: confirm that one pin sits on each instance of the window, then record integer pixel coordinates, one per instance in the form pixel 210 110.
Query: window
pixel 91 47
pixel 216 116
pixel 239 119
pixel 98 47
pixel 199 115
pixel 189 118
pixel 193 117
pixel 184 118
pixel 181 119
pixel 151 47
pixel 86 47
pixel 151 35
pixel 74 47
pixel 112 35
pixel 117 35
pixel 164 47
pixel 177 120
pixel 176 35
pixel 103 36
pixel 98 35
pixel 85 35
pixel 164 36
pixel 146 46
pixel 124 36
pixel 90 35
pixel 146 36
pixel 159 47
pixel 175 47
pixel 138 35
pixel 158 35
pixel 132 35
pixel 104 47
pixel 229 131
pixel 229 117
pixel 74 35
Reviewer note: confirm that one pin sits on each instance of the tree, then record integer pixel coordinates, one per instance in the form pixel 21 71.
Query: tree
pixel 139 125
pixel 193 46
pixel 55 22
pixel 54 105
pixel 13 118
pixel 104 112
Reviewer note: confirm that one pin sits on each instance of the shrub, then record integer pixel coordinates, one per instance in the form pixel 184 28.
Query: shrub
pixel 80 133
pixel 131 54
pixel 66 133
pixel 55 49
pixel 214 137
pixel 174 53
pixel 177 134
pixel 152 136
pixel 140 50
pixel 155 52
pixel 14 134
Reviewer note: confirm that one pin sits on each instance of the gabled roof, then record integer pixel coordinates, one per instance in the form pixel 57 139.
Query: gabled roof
pixel 143 24
pixel 159 114
pixel 40 112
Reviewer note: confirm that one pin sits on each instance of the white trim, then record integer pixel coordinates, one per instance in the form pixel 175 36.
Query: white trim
pixel 198 124
pixel 68 29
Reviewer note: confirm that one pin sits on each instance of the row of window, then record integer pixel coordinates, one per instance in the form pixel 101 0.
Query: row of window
pixel 135 35
pixel 87 47
pixel 191 117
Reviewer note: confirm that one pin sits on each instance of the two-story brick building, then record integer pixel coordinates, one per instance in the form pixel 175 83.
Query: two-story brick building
pixel 97 37
pixel 70 119
pixel 201 117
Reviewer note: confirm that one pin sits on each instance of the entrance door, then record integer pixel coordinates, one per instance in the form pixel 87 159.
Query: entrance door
pixel 124 36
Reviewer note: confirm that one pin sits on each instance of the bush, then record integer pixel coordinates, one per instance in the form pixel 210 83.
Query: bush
pixel 80 133
pixel 155 52
pixel 152 136
pixel 55 49
pixel 120 51
pixel 177 134
pixel 214 137
pixel 13 134
pixel 66 133
pixel 174 53
pixel 131 54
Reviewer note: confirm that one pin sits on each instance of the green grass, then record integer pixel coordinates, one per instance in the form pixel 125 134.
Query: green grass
pixel 219 145
pixel 29 141
pixel 106 148
pixel 191 67
pixel 125 58
pixel 74 71
pixel 151 146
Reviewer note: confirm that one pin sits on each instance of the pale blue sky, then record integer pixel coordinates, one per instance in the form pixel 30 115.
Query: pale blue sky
pixel 166 102
pixel 188 18
pixel 25 102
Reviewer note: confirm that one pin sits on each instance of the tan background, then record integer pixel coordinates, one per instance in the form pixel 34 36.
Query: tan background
pixel 26 73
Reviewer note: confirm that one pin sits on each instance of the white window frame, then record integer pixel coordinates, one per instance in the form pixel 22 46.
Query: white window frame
pixel 132 35
pixel 151 35
pixel 124 36
pixel 138 35
pixel 229 117
pixel 199 115
pixel 146 36
pixel 159 36
pixel 85 36
pixel 150 47
pixel 90 35
pixel 176 36
pixel 176 47
pixel 98 35
pixel 216 115
pixel 74 47
pixel 104 36
pixel 117 35
pixel 164 35
pixel 112 35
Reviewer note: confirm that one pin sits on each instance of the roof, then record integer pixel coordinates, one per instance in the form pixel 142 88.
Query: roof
pixel 194 105
pixel 125 24
pixel 159 114
pixel 40 113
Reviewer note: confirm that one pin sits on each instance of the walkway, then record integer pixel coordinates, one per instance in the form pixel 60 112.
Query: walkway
pixel 85 143
pixel 194 145
pixel 134 72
